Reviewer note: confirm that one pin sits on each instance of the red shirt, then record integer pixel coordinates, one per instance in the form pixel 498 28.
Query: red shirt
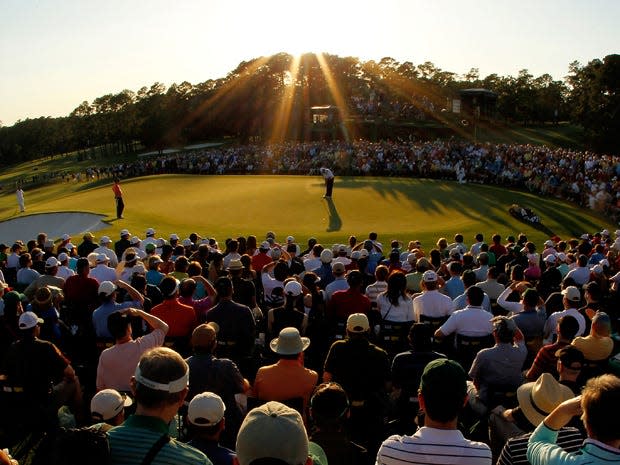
pixel 345 303
pixel 81 293
pixel 260 260
pixel 116 188
pixel 180 318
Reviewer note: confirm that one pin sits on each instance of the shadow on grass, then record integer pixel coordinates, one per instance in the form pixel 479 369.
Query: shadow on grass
pixel 483 204
pixel 335 222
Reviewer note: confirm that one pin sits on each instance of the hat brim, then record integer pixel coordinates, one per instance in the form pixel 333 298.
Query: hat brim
pixel 533 414
pixel 305 343
pixel 524 397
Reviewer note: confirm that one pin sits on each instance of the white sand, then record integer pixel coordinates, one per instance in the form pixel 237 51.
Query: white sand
pixel 53 224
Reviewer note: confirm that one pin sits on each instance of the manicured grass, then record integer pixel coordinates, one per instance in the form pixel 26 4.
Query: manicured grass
pixel 226 206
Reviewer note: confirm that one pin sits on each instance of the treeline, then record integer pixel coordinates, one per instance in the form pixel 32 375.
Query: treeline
pixel 267 99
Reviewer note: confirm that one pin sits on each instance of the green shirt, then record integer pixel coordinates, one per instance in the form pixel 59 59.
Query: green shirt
pixel 132 440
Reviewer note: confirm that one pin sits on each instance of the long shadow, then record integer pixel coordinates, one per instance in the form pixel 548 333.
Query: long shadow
pixel 335 222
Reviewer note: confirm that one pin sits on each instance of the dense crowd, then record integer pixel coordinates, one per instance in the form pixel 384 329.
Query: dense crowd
pixel 359 352
pixel 587 179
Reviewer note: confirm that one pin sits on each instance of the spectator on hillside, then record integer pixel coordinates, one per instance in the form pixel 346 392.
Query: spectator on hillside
pixel 329 409
pixel 443 392
pixel 499 365
pixel 218 375
pixel 571 301
pixel 431 303
pixel 107 408
pixel 235 321
pixel 117 363
pixel 288 378
pixel 546 358
pixel 206 422
pixel 159 386
pixel 340 281
pixel 107 293
pixel 394 304
pixel 363 370
pixel 600 396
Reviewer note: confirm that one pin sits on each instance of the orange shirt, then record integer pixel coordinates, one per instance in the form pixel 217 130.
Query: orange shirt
pixel 180 318
pixel 284 380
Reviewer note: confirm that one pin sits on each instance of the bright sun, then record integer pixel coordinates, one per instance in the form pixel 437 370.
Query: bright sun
pixel 300 27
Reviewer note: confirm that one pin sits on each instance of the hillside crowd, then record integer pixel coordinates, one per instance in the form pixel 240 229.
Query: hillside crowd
pixel 276 350
pixel 588 179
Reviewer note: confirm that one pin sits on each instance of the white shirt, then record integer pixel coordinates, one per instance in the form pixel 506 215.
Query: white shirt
pixel 64 272
pixel 103 273
pixel 433 446
pixel 552 323
pixel 581 275
pixel 514 307
pixel 312 263
pixel 397 313
pixel 432 304
pixel 471 321
pixel 327 173
pixel 108 253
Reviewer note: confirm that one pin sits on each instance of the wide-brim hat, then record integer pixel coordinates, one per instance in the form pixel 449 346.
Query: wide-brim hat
pixel 538 399
pixel 43 297
pixel 289 342
pixel 235 265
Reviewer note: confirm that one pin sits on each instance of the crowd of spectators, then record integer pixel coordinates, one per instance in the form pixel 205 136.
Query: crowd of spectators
pixel 590 180
pixel 491 341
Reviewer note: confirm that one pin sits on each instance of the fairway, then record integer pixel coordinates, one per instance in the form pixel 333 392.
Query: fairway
pixel 226 206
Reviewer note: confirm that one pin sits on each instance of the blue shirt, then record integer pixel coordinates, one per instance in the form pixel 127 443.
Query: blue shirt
pixel 218 455
pixel 454 287
pixel 543 450
pixel 101 314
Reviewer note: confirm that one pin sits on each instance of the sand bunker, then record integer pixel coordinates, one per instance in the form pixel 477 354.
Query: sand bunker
pixel 54 224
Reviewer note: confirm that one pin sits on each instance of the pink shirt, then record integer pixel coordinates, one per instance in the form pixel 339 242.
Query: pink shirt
pixel 118 363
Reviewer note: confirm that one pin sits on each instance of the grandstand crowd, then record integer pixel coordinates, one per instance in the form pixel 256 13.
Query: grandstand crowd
pixel 275 350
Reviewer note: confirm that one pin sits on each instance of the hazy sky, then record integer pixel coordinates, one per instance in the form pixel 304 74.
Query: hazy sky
pixel 56 54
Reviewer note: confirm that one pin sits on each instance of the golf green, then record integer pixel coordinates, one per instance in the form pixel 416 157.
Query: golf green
pixel 226 206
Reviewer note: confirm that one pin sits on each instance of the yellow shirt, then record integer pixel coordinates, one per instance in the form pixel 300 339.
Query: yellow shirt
pixel 594 348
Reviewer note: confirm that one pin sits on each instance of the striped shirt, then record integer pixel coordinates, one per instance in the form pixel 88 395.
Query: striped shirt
pixel 131 441
pixel 515 450
pixel 433 446
pixel 373 290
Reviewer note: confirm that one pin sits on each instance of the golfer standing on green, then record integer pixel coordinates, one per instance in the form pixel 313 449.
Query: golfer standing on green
pixel 328 176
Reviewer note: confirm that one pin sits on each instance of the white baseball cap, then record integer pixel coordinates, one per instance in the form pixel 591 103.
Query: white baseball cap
pixel 293 288
pixel 150 232
pixel 106 287
pixel 429 276
pixel 105 240
pixel 206 409
pixel 326 256
pixel 29 320
pixel 51 262
pixel 125 232
pixel 108 403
